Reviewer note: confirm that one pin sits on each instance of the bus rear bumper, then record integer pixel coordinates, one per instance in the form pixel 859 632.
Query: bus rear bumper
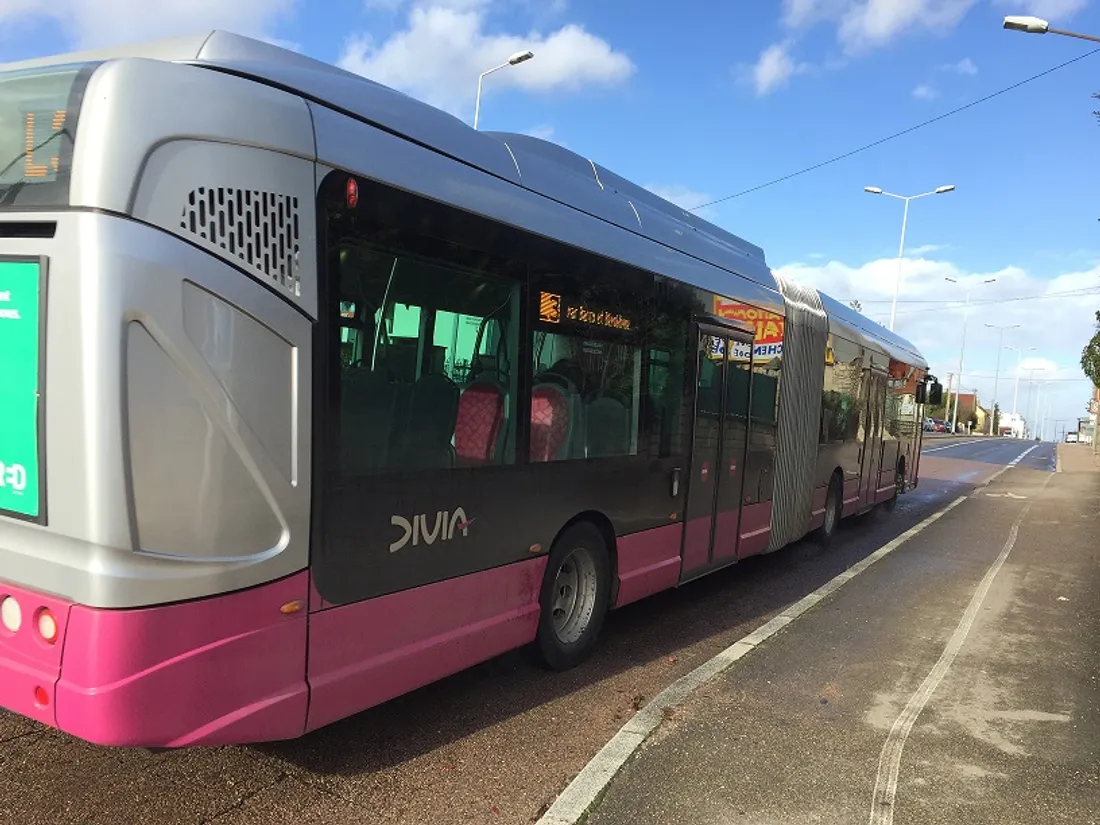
pixel 215 671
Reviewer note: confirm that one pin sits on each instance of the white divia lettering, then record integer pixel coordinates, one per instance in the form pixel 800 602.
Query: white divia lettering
pixel 443 528
pixel 397 521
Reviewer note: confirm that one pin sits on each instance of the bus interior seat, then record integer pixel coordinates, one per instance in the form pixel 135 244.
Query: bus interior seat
pixel 607 426
pixel 368 401
pixel 429 422
pixel 551 422
pixel 479 421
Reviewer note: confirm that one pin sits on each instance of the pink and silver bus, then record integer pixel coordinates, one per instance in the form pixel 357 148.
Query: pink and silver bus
pixel 313 395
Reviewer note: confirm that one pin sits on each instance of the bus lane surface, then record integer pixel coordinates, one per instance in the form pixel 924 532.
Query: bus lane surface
pixel 496 743
pixel 953 680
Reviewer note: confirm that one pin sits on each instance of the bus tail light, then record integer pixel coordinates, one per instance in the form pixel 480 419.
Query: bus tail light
pixel 11 614
pixel 46 625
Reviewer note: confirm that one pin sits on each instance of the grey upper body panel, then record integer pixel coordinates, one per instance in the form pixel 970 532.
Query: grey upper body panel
pixel 537 166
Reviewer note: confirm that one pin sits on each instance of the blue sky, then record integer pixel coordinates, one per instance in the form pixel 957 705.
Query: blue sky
pixel 701 99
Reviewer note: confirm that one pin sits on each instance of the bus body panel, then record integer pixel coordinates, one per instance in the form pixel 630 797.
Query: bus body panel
pixel 142 320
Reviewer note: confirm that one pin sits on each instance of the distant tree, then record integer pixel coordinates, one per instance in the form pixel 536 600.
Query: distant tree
pixel 856 305
pixel 996 419
pixel 1090 355
pixel 972 419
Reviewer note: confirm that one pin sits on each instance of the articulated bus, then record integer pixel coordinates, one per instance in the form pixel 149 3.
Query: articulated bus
pixel 313 395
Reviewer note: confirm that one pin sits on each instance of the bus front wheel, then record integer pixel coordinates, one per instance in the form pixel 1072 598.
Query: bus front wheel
pixel 834 508
pixel 576 590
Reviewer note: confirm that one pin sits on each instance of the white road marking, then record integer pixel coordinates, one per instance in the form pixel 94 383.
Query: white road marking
pixel 889 763
pixel 579 795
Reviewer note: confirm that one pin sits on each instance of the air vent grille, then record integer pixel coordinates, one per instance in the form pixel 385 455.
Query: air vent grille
pixel 260 228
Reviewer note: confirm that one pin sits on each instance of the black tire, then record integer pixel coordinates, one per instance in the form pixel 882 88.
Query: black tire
pixel 899 482
pixel 566 636
pixel 834 504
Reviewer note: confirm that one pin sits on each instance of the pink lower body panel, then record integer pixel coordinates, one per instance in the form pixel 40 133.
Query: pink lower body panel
pixel 648 562
pixel 226 669
pixel 756 529
pixel 29 664
pixel 366 653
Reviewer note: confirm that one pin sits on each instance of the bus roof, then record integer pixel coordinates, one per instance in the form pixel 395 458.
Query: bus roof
pixel 498 153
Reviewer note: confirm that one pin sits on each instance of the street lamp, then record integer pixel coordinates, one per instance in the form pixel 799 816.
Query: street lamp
pixel 874 190
pixel 1016 392
pixel 1036 25
pixel 997 374
pixel 962 347
pixel 514 60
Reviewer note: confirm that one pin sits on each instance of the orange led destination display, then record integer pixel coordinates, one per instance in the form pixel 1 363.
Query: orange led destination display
pixel 38 127
pixel 553 309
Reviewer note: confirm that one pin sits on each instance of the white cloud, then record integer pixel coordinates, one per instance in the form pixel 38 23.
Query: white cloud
pixel 1047 9
pixel 444 46
pixel 680 195
pixel 965 66
pixel 925 92
pixel 867 24
pixel 774 69
pixel 930 313
pixel 96 23
pixel 542 132
pixel 925 249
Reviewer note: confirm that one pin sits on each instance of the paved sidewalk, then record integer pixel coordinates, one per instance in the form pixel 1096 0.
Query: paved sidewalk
pixel 953 681
pixel 1077 458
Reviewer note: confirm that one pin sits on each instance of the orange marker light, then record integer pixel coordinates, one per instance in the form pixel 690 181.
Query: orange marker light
pixel 290 608
pixel 535 548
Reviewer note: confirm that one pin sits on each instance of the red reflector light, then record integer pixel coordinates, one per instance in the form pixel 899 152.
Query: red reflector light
pixel 41 698
pixel 46 625
pixel 353 193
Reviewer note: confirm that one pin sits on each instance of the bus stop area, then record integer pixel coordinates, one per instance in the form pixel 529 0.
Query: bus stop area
pixel 955 679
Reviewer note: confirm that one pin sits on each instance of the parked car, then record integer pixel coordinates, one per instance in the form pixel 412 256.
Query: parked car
pixel 1071 438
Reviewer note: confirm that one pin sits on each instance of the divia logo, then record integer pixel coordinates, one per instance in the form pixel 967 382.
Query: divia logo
pixel 443 529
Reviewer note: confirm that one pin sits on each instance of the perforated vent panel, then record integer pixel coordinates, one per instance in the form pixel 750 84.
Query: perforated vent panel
pixel 259 228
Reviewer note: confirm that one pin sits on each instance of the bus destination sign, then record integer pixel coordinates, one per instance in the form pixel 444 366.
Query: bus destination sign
pixel 554 309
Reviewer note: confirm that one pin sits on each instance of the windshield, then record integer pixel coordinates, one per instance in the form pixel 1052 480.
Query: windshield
pixel 38 110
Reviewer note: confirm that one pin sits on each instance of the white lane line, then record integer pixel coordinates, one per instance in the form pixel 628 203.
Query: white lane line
pixel 948 446
pixel 579 795
pixel 889 762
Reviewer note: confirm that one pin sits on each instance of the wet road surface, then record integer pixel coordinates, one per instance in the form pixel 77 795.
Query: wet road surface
pixel 954 680
pixel 494 744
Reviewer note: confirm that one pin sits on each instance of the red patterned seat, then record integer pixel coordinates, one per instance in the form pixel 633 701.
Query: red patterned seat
pixel 550 425
pixel 480 418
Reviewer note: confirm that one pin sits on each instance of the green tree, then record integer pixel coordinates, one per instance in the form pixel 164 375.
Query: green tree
pixel 996 419
pixel 1090 355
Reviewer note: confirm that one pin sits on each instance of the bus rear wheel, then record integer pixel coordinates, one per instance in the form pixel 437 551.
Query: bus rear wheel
pixel 899 485
pixel 576 590
pixel 833 512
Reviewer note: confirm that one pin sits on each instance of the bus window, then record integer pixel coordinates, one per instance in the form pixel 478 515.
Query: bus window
pixel 427 377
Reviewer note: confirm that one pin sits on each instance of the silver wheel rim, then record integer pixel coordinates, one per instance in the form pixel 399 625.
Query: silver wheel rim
pixel 830 512
pixel 575 587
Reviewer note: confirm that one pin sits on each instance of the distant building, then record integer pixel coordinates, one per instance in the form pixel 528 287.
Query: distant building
pixel 1013 425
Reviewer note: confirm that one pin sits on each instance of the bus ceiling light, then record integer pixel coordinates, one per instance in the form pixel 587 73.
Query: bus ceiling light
pixel 11 614
pixel 1023 23
pixel 46 625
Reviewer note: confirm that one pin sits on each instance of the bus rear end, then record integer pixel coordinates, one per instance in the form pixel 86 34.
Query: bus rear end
pixel 155 342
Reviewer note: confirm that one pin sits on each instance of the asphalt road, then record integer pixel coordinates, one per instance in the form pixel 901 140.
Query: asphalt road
pixel 494 744
pixel 954 680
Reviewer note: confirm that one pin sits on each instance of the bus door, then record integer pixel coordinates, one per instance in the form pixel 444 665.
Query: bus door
pixel 871 460
pixel 719 439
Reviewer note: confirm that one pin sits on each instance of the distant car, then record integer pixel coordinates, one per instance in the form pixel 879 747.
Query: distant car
pixel 1071 438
